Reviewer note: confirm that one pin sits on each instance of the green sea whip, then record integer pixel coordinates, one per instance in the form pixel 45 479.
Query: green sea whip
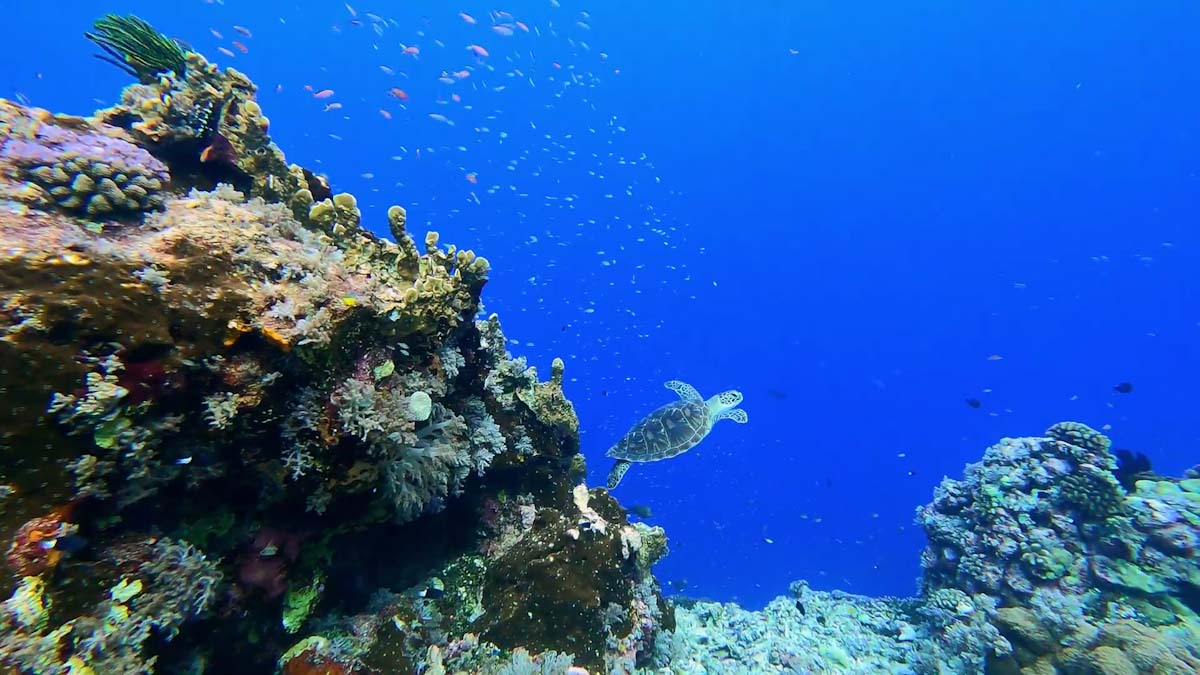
pixel 135 47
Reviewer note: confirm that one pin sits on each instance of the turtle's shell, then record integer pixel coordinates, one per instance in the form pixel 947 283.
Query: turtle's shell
pixel 671 430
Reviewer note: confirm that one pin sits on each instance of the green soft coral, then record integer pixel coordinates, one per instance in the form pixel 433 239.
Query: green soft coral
pixel 299 603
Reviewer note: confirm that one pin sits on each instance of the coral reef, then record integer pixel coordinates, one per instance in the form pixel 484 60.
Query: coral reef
pixel 1039 562
pixel 245 435
pixel 224 393
pixel 1078 567
pixel 1050 513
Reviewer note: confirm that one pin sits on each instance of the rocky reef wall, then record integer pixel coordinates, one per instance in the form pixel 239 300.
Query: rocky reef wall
pixel 246 435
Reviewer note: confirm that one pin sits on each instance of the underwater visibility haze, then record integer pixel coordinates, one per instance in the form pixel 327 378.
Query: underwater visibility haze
pixel 922 281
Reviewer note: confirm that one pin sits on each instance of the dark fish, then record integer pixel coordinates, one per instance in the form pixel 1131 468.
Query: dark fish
pixel 1123 388
pixel 641 511
pixel 777 394
pixel 800 607
pixel 974 402
pixel 1131 466
pixel 912 473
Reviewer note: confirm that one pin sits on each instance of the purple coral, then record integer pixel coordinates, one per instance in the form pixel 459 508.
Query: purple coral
pixel 81 168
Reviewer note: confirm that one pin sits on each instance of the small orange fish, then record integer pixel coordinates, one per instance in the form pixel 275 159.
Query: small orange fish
pixel 398 93
pixel 386 115
pixel 324 93
pixel 415 51
pixel 241 47
pixel 477 50
pixel 472 178
pixel 226 52
pixel 243 30
pixel 462 74
pixel 456 98
pixel 308 87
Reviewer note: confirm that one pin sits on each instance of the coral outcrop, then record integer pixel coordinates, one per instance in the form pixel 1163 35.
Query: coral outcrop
pixel 244 434
pixel 1039 562
pixel 1078 568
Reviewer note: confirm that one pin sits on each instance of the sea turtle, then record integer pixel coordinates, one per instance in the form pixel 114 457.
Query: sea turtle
pixel 674 428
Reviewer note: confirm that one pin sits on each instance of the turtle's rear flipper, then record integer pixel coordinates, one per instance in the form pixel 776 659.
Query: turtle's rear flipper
pixel 618 472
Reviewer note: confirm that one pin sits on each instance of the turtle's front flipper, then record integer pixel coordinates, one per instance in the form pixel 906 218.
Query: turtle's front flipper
pixel 686 391
pixel 737 415
pixel 618 472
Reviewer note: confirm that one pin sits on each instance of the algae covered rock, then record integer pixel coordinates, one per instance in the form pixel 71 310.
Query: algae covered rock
pixel 565 586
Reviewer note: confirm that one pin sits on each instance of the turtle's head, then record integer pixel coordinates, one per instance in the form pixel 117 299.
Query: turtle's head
pixel 726 400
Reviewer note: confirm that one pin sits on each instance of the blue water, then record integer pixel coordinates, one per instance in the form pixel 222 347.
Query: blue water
pixel 845 233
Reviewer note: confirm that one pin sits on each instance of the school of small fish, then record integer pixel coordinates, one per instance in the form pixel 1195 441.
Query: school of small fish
pixel 493 127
